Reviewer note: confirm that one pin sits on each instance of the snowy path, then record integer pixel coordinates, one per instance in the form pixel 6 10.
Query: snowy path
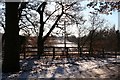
pixel 65 68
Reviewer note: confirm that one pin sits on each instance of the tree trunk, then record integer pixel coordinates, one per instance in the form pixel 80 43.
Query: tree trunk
pixel 79 47
pixel 41 30
pixel 42 39
pixel 91 49
pixel 12 45
pixel 91 43
pixel 40 47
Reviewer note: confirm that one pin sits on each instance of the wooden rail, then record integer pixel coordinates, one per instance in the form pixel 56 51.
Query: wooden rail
pixel 68 52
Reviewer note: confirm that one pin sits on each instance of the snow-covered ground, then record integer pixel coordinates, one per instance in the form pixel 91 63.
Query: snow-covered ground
pixel 65 68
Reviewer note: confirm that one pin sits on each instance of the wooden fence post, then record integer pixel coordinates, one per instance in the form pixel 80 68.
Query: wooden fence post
pixel 53 52
pixel 80 51
pixel 103 53
pixel 24 51
pixel 66 50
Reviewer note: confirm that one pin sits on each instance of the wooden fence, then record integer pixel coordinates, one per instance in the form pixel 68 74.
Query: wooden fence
pixel 67 52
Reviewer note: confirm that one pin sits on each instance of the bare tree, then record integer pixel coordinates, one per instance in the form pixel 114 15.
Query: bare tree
pixel 105 7
pixel 2 17
pixel 96 23
pixel 11 36
pixel 63 8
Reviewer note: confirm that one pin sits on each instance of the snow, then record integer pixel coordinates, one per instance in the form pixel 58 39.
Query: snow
pixel 68 43
pixel 65 68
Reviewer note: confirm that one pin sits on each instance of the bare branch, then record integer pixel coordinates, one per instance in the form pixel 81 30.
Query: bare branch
pixel 2 25
pixel 50 15
pixel 45 37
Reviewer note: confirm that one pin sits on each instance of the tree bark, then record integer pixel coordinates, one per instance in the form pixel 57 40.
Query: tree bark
pixel 91 43
pixel 40 46
pixel 42 39
pixel 12 45
pixel 41 30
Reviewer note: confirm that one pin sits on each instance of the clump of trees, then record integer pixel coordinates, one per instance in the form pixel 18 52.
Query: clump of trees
pixel 106 39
